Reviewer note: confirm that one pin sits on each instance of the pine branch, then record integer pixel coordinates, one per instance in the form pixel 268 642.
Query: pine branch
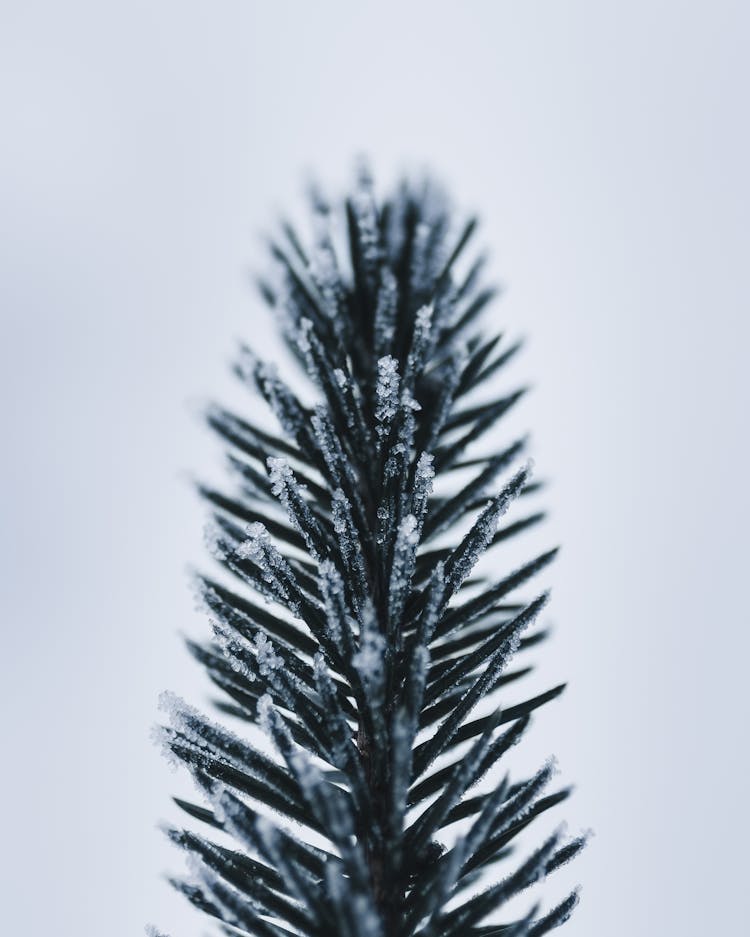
pixel 377 681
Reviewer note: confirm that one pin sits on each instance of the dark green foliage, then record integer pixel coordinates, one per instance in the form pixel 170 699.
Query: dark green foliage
pixel 375 662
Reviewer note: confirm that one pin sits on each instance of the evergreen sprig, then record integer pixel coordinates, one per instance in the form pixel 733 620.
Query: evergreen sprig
pixel 374 663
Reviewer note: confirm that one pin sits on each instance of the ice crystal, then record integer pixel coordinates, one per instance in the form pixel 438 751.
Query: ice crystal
pixel 253 547
pixel 274 569
pixel 236 648
pixel 280 475
pixel 268 660
pixel 424 473
pixel 340 513
pixel 327 442
pixel 387 394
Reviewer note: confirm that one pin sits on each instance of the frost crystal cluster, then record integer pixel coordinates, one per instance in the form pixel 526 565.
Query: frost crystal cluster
pixel 376 660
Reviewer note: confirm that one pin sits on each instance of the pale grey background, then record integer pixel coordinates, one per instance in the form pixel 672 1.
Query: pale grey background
pixel 144 146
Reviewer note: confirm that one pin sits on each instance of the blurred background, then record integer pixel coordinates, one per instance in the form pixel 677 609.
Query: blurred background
pixel 146 148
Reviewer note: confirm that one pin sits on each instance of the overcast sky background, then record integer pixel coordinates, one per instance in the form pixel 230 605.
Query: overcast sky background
pixel 145 147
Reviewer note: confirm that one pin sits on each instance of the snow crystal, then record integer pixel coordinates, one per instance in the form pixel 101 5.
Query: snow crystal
pixel 203 739
pixel 342 522
pixel 409 402
pixel 330 578
pixel 280 475
pixel 407 530
pixel 340 507
pixel 327 443
pixel 347 535
pixel 252 548
pixel 425 471
pixel 274 569
pixel 398 457
pixel 386 392
pixel 383 515
pixel 290 493
pixel 235 647
pixel 268 659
